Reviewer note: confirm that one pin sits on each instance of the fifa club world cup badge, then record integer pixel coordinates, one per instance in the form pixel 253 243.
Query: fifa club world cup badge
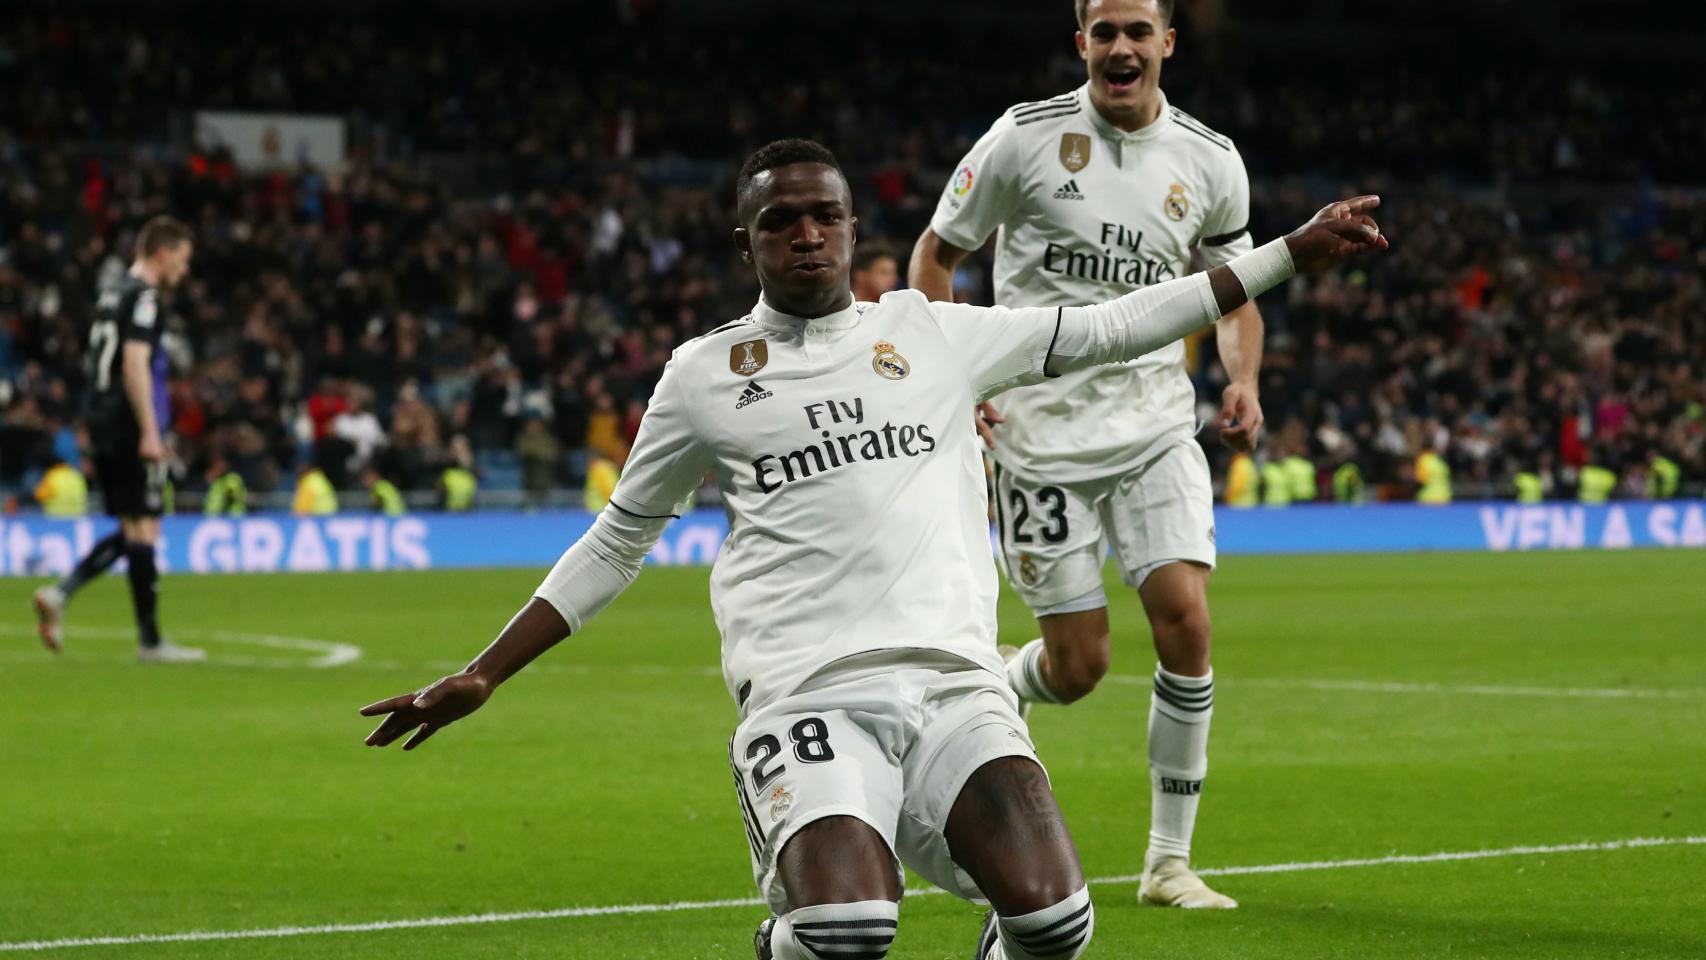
pixel 748 358
pixel 1176 205
pixel 1074 151
pixel 889 364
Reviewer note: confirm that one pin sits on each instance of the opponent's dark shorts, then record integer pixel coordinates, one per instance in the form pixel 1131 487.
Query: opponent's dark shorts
pixel 133 487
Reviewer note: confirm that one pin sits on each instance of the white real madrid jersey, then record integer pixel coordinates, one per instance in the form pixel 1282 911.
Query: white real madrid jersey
pixel 851 476
pixel 1087 212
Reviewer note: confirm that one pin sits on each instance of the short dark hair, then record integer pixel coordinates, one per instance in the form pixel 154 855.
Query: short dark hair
pixel 867 254
pixel 779 153
pixel 1165 6
pixel 159 233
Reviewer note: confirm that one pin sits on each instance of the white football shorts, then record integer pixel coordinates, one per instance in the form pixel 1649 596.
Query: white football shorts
pixel 1055 536
pixel 890 738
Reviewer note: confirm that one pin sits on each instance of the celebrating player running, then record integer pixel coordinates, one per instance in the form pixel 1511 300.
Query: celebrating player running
pixel 856 593
pixel 1095 193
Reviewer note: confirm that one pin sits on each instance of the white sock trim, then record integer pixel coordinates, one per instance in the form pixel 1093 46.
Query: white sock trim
pixel 1059 932
pixel 1185 699
pixel 836 930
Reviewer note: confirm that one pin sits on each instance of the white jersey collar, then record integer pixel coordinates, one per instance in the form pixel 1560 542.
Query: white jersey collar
pixel 772 319
pixel 1142 134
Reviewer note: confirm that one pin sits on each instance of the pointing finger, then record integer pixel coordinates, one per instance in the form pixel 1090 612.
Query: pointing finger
pixel 394 726
pixel 420 736
pixel 387 706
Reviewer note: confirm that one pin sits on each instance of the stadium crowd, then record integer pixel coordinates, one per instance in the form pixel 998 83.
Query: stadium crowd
pixel 493 284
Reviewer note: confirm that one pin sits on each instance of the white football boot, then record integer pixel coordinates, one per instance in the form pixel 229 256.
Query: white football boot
pixel 49 602
pixel 1169 882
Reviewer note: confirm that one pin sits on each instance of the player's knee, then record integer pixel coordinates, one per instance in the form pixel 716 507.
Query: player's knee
pixel 838 859
pixel 836 931
pixel 1059 931
pixel 1182 636
pixel 1079 668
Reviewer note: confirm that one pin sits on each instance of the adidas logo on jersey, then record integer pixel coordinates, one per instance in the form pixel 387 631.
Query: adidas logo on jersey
pixel 752 394
pixel 1069 191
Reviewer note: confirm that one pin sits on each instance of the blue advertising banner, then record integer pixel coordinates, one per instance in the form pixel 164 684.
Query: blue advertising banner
pixel 36 546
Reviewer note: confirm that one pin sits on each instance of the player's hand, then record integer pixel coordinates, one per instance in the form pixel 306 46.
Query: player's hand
pixel 1339 232
pixel 986 417
pixel 152 449
pixel 1240 417
pixel 431 709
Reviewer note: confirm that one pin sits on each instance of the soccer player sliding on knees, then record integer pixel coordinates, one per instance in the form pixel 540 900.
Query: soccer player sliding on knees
pixel 856 591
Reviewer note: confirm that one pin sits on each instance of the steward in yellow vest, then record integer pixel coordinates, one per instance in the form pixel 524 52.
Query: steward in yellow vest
pixel 1596 484
pixel 1301 472
pixel 314 495
pixel 63 491
pixel 1434 477
pixel 1242 482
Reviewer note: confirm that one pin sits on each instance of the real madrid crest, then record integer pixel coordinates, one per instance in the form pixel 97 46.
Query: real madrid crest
pixel 887 363
pixel 1028 569
pixel 1176 205
pixel 748 358
pixel 780 801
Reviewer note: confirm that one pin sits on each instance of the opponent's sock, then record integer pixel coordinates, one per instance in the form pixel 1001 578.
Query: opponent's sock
pixel 836 931
pixel 1060 932
pixel 144 591
pixel 1179 713
pixel 102 555
pixel 1025 674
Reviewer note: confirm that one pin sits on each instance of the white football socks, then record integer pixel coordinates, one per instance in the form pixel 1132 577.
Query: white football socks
pixel 1179 713
pixel 1025 674
pixel 836 930
pixel 1060 932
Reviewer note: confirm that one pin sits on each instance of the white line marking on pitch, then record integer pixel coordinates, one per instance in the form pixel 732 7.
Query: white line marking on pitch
pixel 642 908
pixel 1470 689
pixel 331 653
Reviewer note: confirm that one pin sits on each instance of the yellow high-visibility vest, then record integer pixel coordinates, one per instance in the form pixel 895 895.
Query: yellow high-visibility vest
pixel 314 496
pixel 601 477
pixel 459 488
pixel 1596 484
pixel 1434 475
pixel 1276 485
pixel 1302 475
pixel 386 498
pixel 63 492
pixel 1528 487
pixel 1663 478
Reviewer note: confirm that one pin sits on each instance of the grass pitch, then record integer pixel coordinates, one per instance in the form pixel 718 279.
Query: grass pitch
pixel 1366 706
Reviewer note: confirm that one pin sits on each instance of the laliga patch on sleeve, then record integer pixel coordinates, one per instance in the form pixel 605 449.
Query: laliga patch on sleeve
pixel 146 311
pixel 961 184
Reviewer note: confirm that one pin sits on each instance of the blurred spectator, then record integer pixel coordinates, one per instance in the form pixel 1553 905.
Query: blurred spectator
pixel 63 491
pixel 876 271
pixel 314 494
pixel 540 455
pixel 1545 296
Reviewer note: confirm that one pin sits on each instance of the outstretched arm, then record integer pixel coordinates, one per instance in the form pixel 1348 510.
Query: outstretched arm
pixel 1155 316
pixel 1006 347
pixel 585 580
pixel 667 464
